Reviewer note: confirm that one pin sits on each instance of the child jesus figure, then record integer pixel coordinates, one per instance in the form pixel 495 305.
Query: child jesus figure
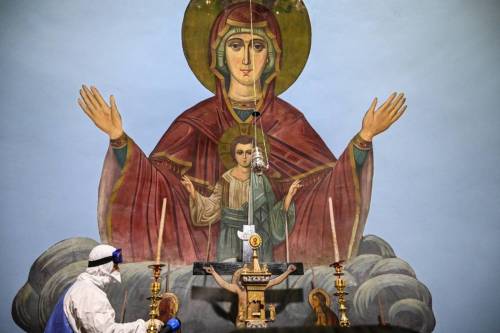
pixel 228 204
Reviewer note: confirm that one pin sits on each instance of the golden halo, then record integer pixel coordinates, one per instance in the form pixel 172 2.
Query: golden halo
pixel 232 133
pixel 169 306
pixel 319 291
pixel 295 27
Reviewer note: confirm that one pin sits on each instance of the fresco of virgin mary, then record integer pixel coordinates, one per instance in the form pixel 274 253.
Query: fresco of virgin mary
pixel 245 56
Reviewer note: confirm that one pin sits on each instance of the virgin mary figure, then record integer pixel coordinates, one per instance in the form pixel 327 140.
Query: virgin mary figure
pixel 245 56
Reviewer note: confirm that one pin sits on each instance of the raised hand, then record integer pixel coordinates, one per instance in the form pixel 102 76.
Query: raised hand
pixel 291 192
pixel 375 122
pixel 105 117
pixel 186 182
pixel 209 269
pixel 292 268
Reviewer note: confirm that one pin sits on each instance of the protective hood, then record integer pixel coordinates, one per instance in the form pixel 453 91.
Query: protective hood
pixel 103 274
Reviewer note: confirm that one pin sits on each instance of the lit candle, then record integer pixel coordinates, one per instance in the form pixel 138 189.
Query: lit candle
pixel 160 233
pixel 334 232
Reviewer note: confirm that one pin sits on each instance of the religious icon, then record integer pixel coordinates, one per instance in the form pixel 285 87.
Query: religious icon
pixel 246 55
pixel 228 204
pixel 255 241
pixel 320 302
pixel 168 307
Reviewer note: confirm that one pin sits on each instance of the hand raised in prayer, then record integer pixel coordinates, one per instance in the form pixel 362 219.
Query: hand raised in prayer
pixel 291 192
pixel 105 117
pixel 375 122
pixel 186 182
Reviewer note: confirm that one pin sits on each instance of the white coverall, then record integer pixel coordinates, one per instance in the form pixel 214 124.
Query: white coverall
pixel 86 305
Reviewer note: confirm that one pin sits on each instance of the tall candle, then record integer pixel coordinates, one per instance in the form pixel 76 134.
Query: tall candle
pixel 334 232
pixel 286 239
pixel 160 233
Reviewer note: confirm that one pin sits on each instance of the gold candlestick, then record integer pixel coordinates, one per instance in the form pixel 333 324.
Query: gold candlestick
pixel 155 297
pixel 340 285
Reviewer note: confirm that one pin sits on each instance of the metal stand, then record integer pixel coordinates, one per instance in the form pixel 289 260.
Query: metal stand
pixel 155 297
pixel 340 285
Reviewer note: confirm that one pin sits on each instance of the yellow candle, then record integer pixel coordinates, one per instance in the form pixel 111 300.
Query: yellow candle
pixel 334 232
pixel 160 233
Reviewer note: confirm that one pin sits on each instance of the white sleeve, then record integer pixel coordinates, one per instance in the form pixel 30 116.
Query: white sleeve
pixel 94 314
pixel 102 320
pixel 206 210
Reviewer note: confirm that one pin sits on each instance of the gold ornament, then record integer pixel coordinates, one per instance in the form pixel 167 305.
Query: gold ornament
pixel 255 241
pixel 340 285
pixel 155 297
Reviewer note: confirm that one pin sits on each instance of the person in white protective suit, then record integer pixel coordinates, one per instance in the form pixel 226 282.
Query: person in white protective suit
pixel 86 305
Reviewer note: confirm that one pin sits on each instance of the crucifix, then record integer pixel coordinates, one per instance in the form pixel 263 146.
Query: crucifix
pixel 248 230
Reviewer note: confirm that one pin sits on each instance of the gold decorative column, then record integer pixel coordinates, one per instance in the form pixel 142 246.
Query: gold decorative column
pixel 340 285
pixel 155 297
pixel 255 279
